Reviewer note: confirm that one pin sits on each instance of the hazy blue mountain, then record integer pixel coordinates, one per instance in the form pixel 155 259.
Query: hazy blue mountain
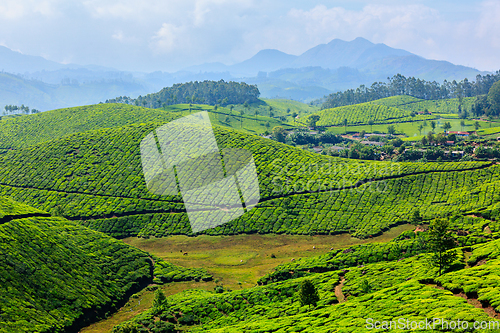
pixel 16 62
pixel 325 68
pixel 264 61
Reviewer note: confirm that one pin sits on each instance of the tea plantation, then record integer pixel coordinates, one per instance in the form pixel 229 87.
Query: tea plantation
pixel 96 177
pixel 401 290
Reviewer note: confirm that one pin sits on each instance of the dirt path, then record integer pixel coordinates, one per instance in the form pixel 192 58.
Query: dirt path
pixel 488 309
pixel 338 290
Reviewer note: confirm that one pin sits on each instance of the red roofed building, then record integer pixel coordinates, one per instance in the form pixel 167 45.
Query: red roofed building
pixel 459 133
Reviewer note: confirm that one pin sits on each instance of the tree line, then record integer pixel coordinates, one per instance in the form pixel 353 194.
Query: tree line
pixel 401 85
pixel 12 109
pixel 206 92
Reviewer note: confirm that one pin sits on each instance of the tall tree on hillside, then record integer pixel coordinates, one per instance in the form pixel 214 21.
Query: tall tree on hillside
pixel 312 120
pixel 294 116
pixel 308 295
pixel 371 122
pixel 440 244
pixel 462 125
pixel 279 133
pixel 433 125
pixel 345 125
pixel 391 129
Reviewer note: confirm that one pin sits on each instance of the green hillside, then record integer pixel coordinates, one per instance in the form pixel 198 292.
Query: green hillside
pixel 57 276
pixel 370 288
pixel 409 103
pixel 362 113
pixel 96 177
pixel 23 131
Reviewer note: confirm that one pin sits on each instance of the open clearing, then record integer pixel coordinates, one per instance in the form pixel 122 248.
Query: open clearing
pixel 230 259
pixel 239 261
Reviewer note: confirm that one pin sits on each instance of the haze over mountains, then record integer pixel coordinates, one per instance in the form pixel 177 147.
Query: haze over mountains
pixel 323 69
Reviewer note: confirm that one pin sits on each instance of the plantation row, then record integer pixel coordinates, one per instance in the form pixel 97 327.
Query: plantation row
pixel 195 307
pixel 165 272
pixel 408 246
pixel 55 274
pixel 33 129
pixel 9 207
pixel 434 106
pixel 108 163
pixel 364 113
pixel 362 211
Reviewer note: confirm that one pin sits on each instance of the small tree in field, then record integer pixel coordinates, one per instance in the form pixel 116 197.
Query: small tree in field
pixel 160 303
pixel 308 295
pixel 440 244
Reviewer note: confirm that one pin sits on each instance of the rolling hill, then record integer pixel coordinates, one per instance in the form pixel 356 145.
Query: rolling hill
pixel 95 177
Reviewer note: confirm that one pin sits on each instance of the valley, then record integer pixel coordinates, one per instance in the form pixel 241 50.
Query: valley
pixel 102 253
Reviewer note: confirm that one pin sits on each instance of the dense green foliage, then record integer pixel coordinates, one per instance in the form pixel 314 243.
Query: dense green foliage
pixel 400 85
pixel 384 291
pixel 97 177
pixel 24 131
pixel 10 208
pixel 55 274
pixel 206 92
pixel 440 106
pixel 363 113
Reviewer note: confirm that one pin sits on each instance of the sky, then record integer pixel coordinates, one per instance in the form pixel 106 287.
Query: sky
pixel 166 35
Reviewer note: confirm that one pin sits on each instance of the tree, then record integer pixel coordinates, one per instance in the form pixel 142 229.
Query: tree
pixel 345 125
pixel 494 97
pixel 391 129
pixel 279 133
pixel 433 125
pixel 294 116
pixel 440 244
pixel 446 126
pixel 477 125
pixel 308 295
pixel 416 218
pixel 371 122
pixel 312 120
pixel 160 303
pixel 420 128
pixel 462 125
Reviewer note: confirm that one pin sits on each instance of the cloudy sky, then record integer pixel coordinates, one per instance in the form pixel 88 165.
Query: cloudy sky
pixel 167 35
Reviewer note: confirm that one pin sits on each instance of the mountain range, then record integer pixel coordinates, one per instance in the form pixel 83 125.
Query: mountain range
pixel 323 69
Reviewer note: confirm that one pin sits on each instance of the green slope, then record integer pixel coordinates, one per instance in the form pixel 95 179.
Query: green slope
pixel 358 114
pixel 96 177
pixel 384 291
pixel 442 106
pixel 58 276
pixel 32 129
pixel 55 274
pixel 23 131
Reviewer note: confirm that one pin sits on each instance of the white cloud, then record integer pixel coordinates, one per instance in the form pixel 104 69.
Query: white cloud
pixel 170 34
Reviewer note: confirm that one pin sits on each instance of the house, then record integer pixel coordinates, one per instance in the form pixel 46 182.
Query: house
pixel 450 143
pixel 372 143
pixel 318 149
pixel 459 133
pixel 337 148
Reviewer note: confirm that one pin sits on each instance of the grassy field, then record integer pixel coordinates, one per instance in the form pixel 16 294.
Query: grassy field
pixel 245 258
pixel 221 255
